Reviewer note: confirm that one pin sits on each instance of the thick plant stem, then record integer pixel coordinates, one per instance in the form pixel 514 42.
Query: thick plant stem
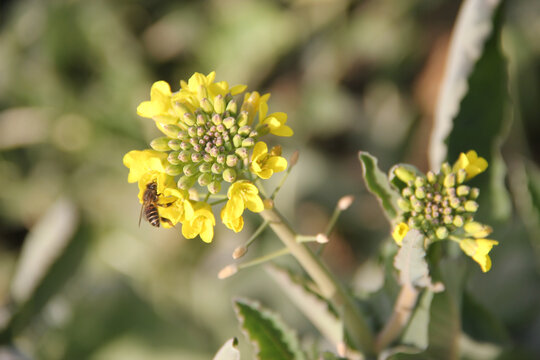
pixel 355 323
pixel 403 308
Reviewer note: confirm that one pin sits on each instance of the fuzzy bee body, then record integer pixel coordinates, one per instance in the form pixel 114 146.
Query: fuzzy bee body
pixel 150 205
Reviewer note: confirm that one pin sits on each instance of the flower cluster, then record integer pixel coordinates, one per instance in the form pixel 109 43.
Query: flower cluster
pixel 210 139
pixel 442 206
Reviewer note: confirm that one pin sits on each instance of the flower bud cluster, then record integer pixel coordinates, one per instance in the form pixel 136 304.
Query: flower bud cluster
pixel 439 204
pixel 211 146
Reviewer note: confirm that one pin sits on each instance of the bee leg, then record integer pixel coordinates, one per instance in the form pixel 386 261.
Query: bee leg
pixel 167 221
pixel 166 205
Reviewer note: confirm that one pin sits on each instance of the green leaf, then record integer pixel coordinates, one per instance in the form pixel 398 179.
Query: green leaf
pixel 394 180
pixel 378 184
pixel 416 333
pixel 312 305
pixel 271 338
pixel 480 324
pixel 411 263
pixel 472 113
pixel 228 351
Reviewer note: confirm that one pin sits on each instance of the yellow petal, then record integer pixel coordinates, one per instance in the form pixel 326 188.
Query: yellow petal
pixel 399 232
pixel 277 163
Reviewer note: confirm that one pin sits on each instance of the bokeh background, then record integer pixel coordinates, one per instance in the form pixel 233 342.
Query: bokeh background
pixel 352 75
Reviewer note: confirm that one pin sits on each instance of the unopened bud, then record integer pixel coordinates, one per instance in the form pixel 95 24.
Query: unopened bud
pixel 216 119
pixel 229 122
pixel 237 140
pixel 431 177
pixel 242 152
pixel 244 130
pixel 214 187
pixel 404 174
pixel 420 192
pixel 463 190
pixel 243 118
pixel 217 168
pixel 205 167
pixel 419 181
pixel 321 238
pixel 471 206
pixel 232 160
pixel 160 144
pixel 406 192
pixel 461 175
pixel 219 104
pixel 294 158
pixel 404 204
pixel 206 105
pixel 474 193
pixel 186 182
pixel 171 130
pixel 249 142
pixel 184 156
pixel 446 168
pixel 477 229
pixel 196 157
pixel 173 170
pixel 205 179
pixel 239 252
pixel 173 158
pixel 227 271
pixel 345 202
pixel 232 107
pixel 185 145
pixel 229 175
pixel 441 232
pixel 189 119
pixel 174 144
pixel 220 159
pixel 449 180
pixel 190 169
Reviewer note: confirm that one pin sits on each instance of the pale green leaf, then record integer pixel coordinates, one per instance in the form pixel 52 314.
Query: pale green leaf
pixel 270 336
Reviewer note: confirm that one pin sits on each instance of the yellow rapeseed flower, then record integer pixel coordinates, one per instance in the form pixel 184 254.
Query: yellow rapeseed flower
pixel 479 250
pixel 265 164
pixel 471 163
pixel 275 121
pixel 160 106
pixel 200 223
pixel 242 194
pixel 399 232
pixel 175 206
pixel 252 104
pixel 141 162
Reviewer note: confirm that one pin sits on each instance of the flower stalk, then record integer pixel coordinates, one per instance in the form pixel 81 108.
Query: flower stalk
pixel 355 323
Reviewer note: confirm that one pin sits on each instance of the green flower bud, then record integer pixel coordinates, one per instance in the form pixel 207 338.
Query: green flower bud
pixel 232 107
pixel 173 158
pixel 454 202
pixel 441 232
pixel 471 206
pixel 184 156
pixel 419 181
pixel 474 193
pixel 249 142
pixel 196 157
pixel 262 129
pixel 446 168
pixel 244 130
pixel 253 134
pixel 463 190
pixel 458 221
pixel 207 158
pixel 185 145
pixel 205 179
pixel 461 175
pixel 404 174
pixel 449 180
pixel 205 167
pixel 160 144
pixel 232 160
pixel 233 130
pixel 190 169
pixel 174 144
pixel 404 204
pixel 182 135
pixel 220 159
pixel 189 119
pixel 206 105
pixel 201 119
pixel 229 122
pixel 219 104
pixel 214 187
pixel 216 119
pixel 171 130
pixel 237 140
pixel 420 193
pixel 242 152
pixel 431 177
pixel 180 108
pixel 243 118
pixel 186 182
pixel 173 170
pixel 448 219
pixel 406 192
pixel 229 175
pixel 477 229
pixel 217 168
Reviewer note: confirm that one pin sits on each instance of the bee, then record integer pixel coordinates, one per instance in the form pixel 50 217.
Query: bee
pixel 150 205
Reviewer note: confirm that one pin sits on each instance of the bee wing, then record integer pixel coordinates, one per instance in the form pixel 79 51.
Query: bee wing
pixel 140 215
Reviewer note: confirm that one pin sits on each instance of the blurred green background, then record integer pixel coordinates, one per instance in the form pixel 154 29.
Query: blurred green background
pixel 352 75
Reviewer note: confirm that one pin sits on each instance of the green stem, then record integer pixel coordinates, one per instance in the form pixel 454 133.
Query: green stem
pixel 355 323
pixel 265 258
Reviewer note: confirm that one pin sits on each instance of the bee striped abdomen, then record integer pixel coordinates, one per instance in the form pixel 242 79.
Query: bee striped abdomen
pixel 152 215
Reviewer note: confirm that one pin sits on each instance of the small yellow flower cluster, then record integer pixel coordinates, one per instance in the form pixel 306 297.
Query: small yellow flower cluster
pixel 442 207
pixel 208 138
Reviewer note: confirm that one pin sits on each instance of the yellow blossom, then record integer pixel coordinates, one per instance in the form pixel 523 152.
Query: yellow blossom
pixel 399 232
pixel 160 106
pixel 275 121
pixel 477 230
pixel 242 194
pixel 265 164
pixel 252 104
pixel 471 163
pixel 200 223
pixel 175 206
pixel 141 162
pixel 479 250
pixel 162 180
